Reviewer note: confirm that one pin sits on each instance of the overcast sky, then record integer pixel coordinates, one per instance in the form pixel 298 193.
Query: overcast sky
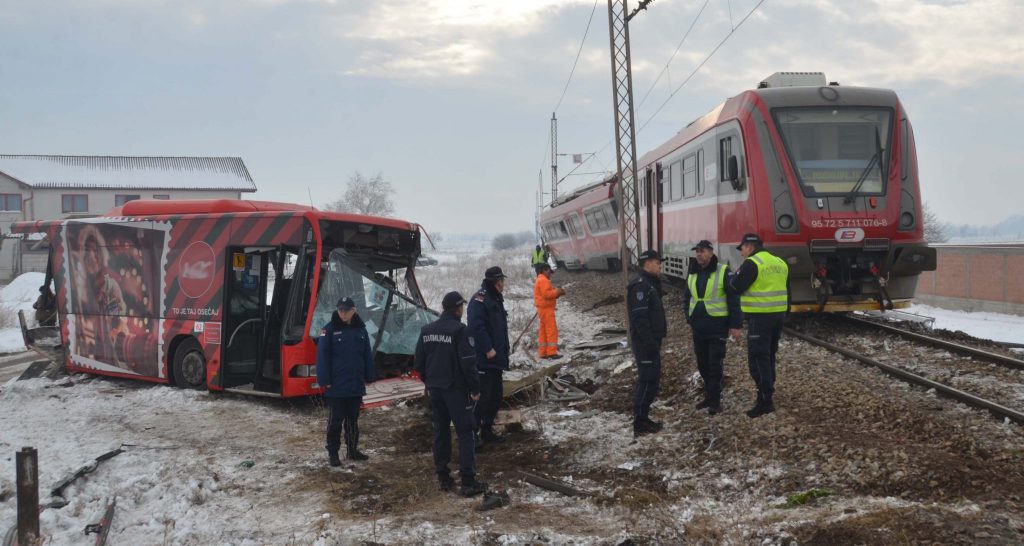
pixel 451 99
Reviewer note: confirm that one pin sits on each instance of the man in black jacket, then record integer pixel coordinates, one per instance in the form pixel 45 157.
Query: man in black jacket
pixel 647 328
pixel 713 314
pixel 446 361
pixel 488 322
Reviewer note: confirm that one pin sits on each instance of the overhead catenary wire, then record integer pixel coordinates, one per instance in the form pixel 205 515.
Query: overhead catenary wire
pixel 674 53
pixel 700 65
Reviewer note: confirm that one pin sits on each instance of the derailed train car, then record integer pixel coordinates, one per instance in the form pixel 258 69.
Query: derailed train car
pixel 826 175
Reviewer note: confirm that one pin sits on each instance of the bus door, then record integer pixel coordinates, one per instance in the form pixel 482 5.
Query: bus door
pixel 245 313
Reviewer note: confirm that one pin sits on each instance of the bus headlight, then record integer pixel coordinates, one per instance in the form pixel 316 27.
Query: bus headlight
pixel 303 370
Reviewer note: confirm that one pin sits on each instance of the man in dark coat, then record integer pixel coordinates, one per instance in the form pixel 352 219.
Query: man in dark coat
pixel 344 364
pixel 446 361
pixel 713 314
pixel 46 307
pixel 488 323
pixel 647 328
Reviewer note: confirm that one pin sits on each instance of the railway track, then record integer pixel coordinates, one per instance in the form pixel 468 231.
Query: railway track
pixel 997 409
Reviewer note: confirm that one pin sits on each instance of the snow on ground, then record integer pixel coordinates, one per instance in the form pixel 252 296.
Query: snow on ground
pixel 19 295
pixel 983 325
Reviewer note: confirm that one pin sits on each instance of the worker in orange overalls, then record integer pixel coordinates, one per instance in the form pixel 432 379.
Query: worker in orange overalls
pixel 544 297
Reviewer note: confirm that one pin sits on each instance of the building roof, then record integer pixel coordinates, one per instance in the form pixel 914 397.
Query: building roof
pixel 129 173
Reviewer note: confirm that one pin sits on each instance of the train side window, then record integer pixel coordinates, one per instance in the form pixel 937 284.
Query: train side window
pixel 689 176
pixel 904 149
pixel 641 187
pixel 676 176
pixel 724 153
pixel 700 171
pixel 664 180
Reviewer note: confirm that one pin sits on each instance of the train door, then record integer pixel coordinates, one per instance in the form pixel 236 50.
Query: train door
pixel 654 196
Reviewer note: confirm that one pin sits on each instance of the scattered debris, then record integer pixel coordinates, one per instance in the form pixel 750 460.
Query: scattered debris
pixel 494 499
pixel 601 344
pixel 553 485
pixel 102 529
pixel 622 367
pixel 557 390
pixel 512 386
pixel 58 490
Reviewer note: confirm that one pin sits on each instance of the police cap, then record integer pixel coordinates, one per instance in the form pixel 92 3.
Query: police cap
pixel 650 255
pixel 704 243
pixel 452 300
pixel 346 304
pixel 750 239
pixel 494 273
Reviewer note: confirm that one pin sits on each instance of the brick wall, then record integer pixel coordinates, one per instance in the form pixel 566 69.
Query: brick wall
pixel 989 278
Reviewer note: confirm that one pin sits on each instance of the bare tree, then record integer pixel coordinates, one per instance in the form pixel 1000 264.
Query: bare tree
pixel 504 241
pixel 934 230
pixel 369 196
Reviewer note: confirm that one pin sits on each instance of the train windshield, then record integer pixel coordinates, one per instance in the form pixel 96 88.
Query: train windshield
pixel 837 151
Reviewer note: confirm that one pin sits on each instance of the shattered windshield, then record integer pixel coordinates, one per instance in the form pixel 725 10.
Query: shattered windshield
pixel 386 312
pixel 837 151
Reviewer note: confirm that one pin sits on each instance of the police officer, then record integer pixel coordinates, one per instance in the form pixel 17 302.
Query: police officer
pixel 762 285
pixel 446 361
pixel 344 364
pixel 713 314
pixel 488 323
pixel 647 329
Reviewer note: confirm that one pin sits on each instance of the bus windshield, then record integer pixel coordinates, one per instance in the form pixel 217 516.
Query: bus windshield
pixel 392 319
pixel 837 151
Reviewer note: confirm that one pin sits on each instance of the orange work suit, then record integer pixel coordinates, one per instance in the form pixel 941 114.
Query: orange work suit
pixel 544 296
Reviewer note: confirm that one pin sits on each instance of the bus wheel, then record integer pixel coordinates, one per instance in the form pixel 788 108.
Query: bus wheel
pixel 189 368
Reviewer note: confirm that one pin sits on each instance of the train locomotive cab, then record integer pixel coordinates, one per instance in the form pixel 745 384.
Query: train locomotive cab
pixel 839 197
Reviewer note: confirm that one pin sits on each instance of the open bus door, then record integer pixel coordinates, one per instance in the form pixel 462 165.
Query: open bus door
pixel 257 288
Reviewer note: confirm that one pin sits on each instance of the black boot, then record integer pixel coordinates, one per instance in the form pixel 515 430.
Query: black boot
pixel 655 426
pixel 445 482
pixel 352 443
pixel 471 487
pixel 705 403
pixel 715 407
pixel 764 406
pixel 333 458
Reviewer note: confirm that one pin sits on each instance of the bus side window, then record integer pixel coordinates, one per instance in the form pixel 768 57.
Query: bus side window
pixel 299 295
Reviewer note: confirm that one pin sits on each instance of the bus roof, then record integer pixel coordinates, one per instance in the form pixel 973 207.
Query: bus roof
pixel 143 208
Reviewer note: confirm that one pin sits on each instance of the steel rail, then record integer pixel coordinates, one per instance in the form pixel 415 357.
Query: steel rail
pixel 969 399
pixel 994 358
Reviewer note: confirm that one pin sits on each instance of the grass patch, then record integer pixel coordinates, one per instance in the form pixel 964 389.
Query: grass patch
pixel 806 497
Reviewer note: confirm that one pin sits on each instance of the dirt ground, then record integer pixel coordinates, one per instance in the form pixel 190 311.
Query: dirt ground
pixel 894 464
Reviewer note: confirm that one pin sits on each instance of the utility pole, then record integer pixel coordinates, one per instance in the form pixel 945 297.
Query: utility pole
pixel 625 133
pixel 554 158
pixel 540 203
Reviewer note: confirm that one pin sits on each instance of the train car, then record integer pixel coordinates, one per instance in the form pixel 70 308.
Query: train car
pixel 826 175
pixel 581 229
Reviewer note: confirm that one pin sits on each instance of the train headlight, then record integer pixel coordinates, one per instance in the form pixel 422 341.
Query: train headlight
pixel 906 220
pixel 785 222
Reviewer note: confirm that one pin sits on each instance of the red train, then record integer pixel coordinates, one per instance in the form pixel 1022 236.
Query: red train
pixel 826 175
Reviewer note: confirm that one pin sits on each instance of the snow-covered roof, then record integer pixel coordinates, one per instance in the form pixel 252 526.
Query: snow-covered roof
pixel 119 172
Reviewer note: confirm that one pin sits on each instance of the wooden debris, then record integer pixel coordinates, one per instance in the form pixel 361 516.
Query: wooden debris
pixel 552 485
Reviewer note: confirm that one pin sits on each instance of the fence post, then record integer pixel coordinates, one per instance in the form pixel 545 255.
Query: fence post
pixel 27 474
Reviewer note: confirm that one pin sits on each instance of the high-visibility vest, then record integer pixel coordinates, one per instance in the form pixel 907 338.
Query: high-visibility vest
pixel 768 292
pixel 714 304
pixel 538 257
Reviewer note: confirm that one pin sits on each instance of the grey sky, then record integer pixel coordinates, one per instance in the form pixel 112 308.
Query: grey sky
pixel 451 99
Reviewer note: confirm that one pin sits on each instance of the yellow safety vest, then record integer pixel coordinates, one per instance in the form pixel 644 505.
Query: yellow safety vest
pixel 768 292
pixel 715 305
pixel 538 257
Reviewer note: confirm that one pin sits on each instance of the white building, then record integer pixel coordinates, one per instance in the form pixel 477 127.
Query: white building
pixel 53 187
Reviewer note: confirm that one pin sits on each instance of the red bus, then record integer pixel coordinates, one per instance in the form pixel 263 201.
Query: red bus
pixel 230 295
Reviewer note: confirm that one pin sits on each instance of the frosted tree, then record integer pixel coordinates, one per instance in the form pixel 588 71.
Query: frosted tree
pixel 934 230
pixel 370 196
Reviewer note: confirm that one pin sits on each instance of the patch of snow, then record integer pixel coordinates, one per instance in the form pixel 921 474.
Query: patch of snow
pixel 984 325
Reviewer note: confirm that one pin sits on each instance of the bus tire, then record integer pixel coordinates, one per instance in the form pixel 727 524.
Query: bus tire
pixel 189 367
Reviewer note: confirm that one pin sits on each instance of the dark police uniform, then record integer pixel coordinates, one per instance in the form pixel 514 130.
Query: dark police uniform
pixel 488 322
pixel 446 361
pixel 647 329
pixel 344 360
pixel 762 284
pixel 710 319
